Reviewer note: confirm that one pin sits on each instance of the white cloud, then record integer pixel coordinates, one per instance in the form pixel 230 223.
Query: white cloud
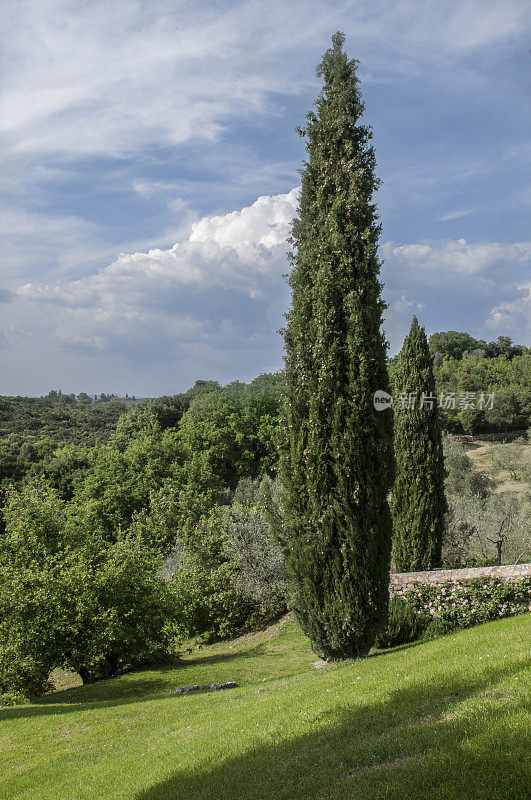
pixel 214 301
pixel 457 214
pixel 267 222
pixel 513 315
pixel 102 78
pixel 437 262
pixel 222 283
pixel 152 189
pixel 453 284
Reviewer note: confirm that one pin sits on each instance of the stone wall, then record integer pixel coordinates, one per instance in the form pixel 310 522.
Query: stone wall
pixel 403 581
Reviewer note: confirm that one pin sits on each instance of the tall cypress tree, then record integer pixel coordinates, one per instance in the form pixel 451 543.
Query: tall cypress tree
pixel 418 501
pixel 336 458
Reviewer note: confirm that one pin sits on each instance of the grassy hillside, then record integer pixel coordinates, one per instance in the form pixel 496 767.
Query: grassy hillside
pixel 443 719
pixel 482 454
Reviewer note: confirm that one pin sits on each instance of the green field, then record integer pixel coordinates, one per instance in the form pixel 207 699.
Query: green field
pixel 441 719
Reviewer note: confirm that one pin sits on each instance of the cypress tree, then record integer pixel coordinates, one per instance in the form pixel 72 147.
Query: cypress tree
pixel 418 501
pixel 336 460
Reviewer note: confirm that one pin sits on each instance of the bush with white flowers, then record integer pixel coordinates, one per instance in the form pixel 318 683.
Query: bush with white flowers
pixel 461 605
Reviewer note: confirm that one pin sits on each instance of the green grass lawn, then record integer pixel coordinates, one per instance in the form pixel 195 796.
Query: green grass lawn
pixel 442 719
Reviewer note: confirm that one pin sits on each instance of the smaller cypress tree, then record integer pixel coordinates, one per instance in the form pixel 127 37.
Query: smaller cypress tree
pixel 418 502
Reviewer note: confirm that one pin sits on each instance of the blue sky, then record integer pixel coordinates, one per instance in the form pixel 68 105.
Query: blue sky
pixel 151 167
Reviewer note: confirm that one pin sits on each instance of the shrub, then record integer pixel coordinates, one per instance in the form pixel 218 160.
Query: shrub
pixel 461 475
pixel 204 589
pixel 8 699
pixel 68 598
pixel 431 611
pixel 206 603
pixel 129 614
pixel 251 547
pixel 473 420
pixel 461 605
pixel 257 559
pixel 437 627
pixel 403 624
pixel 488 530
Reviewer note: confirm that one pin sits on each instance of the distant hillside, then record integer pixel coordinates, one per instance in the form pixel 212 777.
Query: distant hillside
pixel 62 418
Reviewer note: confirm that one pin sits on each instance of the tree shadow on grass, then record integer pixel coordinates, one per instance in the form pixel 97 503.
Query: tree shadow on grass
pixel 129 688
pixel 220 658
pixel 104 694
pixel 412 745
pixel 397 648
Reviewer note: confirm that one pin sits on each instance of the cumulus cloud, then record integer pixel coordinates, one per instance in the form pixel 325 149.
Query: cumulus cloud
pixel 514 315
pixel 221 284
pixel 212 304
pixel 437 262
pixel 266 223
pixel 452 284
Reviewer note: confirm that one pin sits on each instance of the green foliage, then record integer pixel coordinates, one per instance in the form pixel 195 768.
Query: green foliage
pixel 461 605
pixel 462 478
pixel 59 417
pixel 125 472
pixel 455 345
pixel 162 522
pixel 503 346
pixel 70 599
pixel 509 379
pixel 403 624
pixel 206 603
pixel 511 410
pixel 418 501
pixel 471 421
pixel 234 428
pixel 226 572
pixel 437 627
pixel 53 435
pixel 42 575
pixel 336 451
pixel 8 699
pixel 202 588
pixel 129 619
pixel 483 374
pixel 65 469
pixel 157 415
pixel 153 498
pixel 490 530
pixel 452 343
pixel 259 572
